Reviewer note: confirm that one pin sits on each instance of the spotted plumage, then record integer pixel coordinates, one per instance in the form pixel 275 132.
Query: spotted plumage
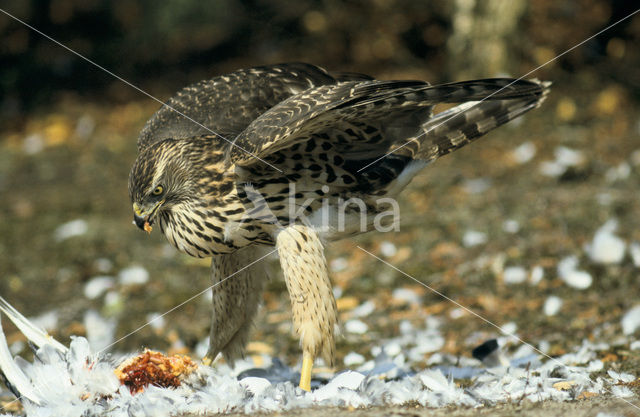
pixel 291 156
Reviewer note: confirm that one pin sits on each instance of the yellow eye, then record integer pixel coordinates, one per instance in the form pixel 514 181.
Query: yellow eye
pixel 158 190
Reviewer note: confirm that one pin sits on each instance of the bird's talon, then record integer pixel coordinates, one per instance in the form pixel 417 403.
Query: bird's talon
pixel 305 373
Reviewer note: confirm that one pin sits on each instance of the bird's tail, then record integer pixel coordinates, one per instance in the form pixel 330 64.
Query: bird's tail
pixel 487 105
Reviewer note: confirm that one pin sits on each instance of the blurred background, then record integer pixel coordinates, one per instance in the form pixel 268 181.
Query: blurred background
pixel 162 47
pixel 533 192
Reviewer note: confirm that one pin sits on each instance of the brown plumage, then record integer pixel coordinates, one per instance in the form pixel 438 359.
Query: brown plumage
pixel 267 156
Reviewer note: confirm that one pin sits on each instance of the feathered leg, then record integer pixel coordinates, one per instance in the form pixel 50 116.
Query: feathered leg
pixel 314 308
pixel 236 298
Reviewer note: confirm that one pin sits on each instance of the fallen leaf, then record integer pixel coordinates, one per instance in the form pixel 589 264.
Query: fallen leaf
pixel 259 347
pixel 587 394
pixel 564 385
pixel 347 303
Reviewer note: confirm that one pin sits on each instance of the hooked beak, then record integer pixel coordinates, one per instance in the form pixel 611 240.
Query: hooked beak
pixel 143 215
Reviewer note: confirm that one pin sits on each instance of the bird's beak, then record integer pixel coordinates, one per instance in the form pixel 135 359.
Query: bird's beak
pixel 143 215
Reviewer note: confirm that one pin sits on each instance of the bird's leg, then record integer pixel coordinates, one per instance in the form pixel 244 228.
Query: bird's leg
pixel 314 308
pixel 237 294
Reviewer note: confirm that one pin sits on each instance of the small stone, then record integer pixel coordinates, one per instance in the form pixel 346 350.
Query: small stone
pixel 473 238
pixel 364 309
pixel 96 286
pixel 337 292
pixel 537 274
pixel 406 327
pixel 552 169
pixel 457 313
pixel 70 229
pixel 338 264
pixel 509 329
pixel 568 272
pixel 156 321
pixel 511 226
pixel 392 349
pixel 619 172
pixel 544 346
pixel 634 251
pixel 477 185
pixel 353 358
pixel 33 144
pixel 356 326
pixel 552 305
pixel 524 153
pixel 103 265
pixel 388 249
pixel 112 300
pixel 134 275
pixel 631 321
pixel 578 279
pixel 514 275
pixel 407 295
pixel 569 157
pixel 606 247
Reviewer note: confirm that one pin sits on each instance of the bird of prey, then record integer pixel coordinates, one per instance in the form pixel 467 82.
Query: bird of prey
pixel 234 166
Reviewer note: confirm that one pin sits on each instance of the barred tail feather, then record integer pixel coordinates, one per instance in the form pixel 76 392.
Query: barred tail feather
pixel 452 129
pixel 460 125
pixel 486 89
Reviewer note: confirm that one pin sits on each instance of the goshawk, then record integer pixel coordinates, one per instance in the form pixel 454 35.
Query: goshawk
pixel 274 156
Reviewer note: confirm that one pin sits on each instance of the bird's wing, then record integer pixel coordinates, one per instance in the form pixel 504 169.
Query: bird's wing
pixel 227 104
pixel 375 116
pixel 350 76
pixel 314 110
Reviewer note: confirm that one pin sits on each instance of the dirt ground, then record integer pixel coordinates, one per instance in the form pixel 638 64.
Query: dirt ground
pixel 72 163
pixel 585 408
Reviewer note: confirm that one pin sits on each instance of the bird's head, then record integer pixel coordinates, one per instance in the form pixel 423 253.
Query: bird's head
pixel 161 179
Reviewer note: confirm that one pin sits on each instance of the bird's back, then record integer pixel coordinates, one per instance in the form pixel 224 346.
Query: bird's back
pixel 225 105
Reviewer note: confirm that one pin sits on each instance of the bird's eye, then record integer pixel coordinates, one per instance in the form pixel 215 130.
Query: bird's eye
pixel 158 190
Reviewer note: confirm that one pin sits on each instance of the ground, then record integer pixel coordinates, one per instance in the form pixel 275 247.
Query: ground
pixel 585 408
pixel 72 162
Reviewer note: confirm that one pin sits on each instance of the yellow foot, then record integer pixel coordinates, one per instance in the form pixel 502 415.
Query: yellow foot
pixel 207 360
pixel 305 372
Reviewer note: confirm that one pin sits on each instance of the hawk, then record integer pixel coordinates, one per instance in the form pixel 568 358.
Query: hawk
pixel 263 157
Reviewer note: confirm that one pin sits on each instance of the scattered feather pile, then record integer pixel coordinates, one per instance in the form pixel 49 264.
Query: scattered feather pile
pixel 78 382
